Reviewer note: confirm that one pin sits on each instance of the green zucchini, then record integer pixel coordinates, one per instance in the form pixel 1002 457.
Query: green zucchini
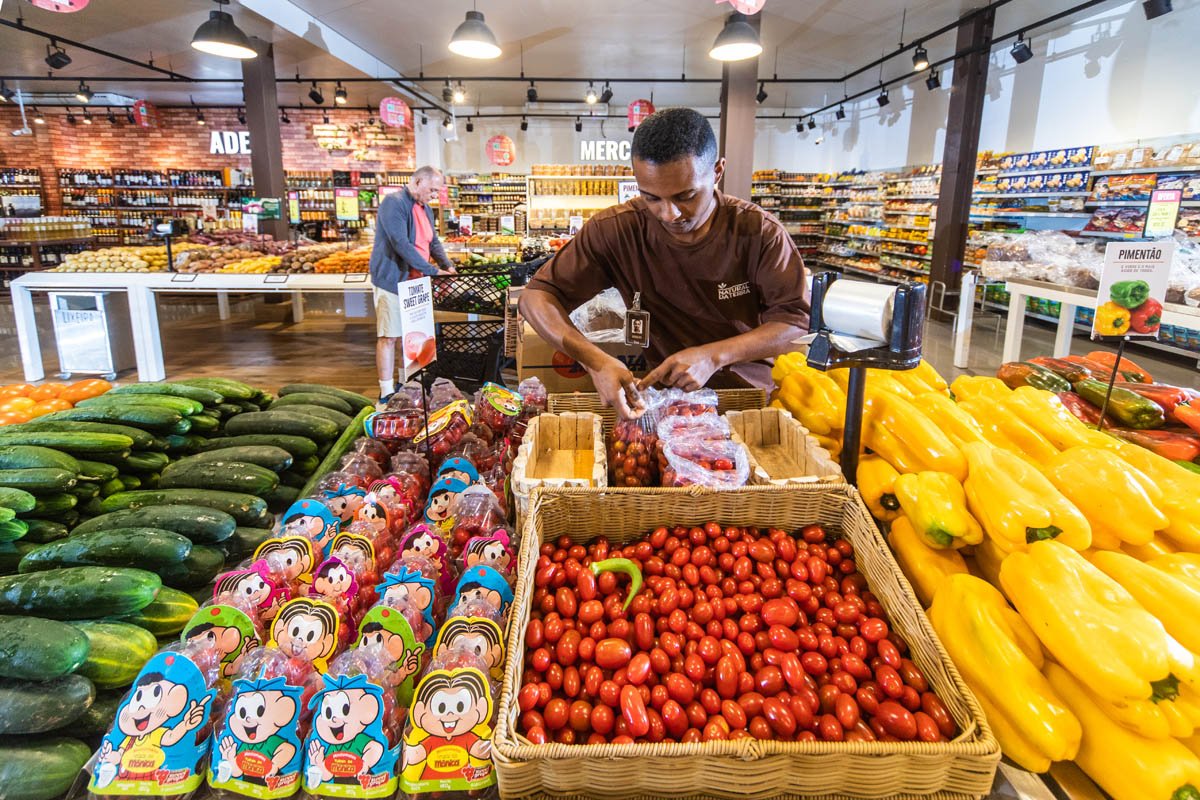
pixel 298 446
pixel 142 440
pixel 245 508
pixel 52 505
pixel 19 456
pixel 117 652
pixel 244 542
pixel 228 476
pixel 204 396
pixel 275 459
pixel 11 554
pixel 142 461
pixel 356 400
pixel 226 387
pixel 44 531
pixel 204 424
pixel 78 592
pixel 292 423
pixel 289 477
pixel 40 768
pixel 147 548
pixel 18 500
pixel 97 720
pixel 200 524
pixel 40 706
pixel 85 490
pixel 38 480
pixel 314 399
pixel 336 417
pixel 13 529
pixel 336 450
pixel 96 471
pixel 182 405
pixel 199 568
pixel 76 444
pixel 35 649
pixel 167 615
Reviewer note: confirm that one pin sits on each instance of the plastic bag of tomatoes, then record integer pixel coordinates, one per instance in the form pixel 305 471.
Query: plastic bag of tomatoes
pixel 695 459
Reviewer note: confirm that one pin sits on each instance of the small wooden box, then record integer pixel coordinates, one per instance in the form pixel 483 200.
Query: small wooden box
pixel 559 450
pixel 781 451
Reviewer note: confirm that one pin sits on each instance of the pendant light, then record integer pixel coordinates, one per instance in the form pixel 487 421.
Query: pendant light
pixel 474 39
pixel 737 41
pixel 220 36
pixel 84 93
pixel 920 58
pixel 339 96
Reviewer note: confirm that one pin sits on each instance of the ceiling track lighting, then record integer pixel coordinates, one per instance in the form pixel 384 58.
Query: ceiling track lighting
pixel 524 124
pixel 460 94
pixel 762 92
pixel 71 117
pixel 934 81
pixel 283 117
pixel 737 41
pixel 447 93
pixel 1153 9
pixel 920 58
pixel 470 126
pixel 531 94
pixel 883 98
pixel 84 93
pixel 590 98
pixel 6 94
pixel 87 117
pixel 607 94
pixel 38 119
pixel 339 95
pixel 578 125
pixel 474 39
pixel 424 119
pixel 1021 51
pixel 220 36
pixel 325 117
pixel 799 127
pixel 56 57
pixel 315 94
pixel 812 123
pixel 241 116
pixel 840 113
pixel 112 118
pixel 129 117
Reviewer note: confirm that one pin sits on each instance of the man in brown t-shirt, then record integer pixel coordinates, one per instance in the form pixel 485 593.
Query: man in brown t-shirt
pixel 721 279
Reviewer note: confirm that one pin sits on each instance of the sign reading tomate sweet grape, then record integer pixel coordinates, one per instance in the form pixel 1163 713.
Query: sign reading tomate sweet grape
pixel 61 6
pixel 416 326
pixel 501 151
pixel 146 114
pixel 637 111
pixel 395 113
pixel 748 7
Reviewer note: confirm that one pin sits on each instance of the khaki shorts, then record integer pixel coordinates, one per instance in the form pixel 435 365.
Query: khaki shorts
pixel 387 314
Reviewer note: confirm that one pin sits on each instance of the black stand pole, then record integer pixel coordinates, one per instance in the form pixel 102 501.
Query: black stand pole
pixel 852 437
pixel 423 379
pixel 1112 381
pixel 170 259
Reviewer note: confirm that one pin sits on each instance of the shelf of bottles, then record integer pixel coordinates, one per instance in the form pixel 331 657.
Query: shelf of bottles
pixel 489 196
pixel 21 191
pixel 803 197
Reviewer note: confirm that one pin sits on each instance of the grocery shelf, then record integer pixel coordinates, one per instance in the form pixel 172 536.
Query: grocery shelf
pixel 1015 195
pixel 1062 214
pixel 1020 173
pixel 1118 203
pixel 1141 170
pixel 907 227
pixel 886 239
pixel 912 197
pixel 917 256
pixel 898 212
pixel 877 275
pixel 1109 234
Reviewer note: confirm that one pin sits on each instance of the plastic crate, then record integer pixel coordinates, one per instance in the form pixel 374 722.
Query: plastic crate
pixel 469 353
pixel 481 292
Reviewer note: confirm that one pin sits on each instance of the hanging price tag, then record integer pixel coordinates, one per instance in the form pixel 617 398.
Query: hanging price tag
pixel 360 277
pixel 275 278
pixel 637 324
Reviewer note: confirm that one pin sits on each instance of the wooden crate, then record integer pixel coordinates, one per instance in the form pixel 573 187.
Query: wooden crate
pixel 781 451
pixel 559 450
pixel 727 400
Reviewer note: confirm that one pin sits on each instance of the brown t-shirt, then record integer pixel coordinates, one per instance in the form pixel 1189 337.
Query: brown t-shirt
pixel 744 272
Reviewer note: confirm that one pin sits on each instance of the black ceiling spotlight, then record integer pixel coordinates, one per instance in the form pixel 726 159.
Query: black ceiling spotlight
pixel 6 94
pixel 339 96
pixel 129 117
pixel 283 117
pixel 840 113
pixel 531 93
pixel 762 93
pixel 200 117
pixel 590 98
pixel 578 125
pixel 241 116
pixel 315 95
pixel 56 57
pixel 470 126
pixel 1021 51
pixel 607 94
pixel 38 117
pixel 799 126
pixel 883 98
pixel 71 117
pixel 325 117
pixel 220 36
pixel 524 124
pixel 112 118
pixel 934 80
pixel 87 117
pixel 424 119
pixel 920 58
pixel 1156 8
pixel 812 123
pixel 84 93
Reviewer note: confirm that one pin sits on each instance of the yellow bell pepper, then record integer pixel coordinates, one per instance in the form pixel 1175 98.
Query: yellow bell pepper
pixel 1045 413
pixel 1006 431
pixel 926 568
pixel 878 380
pixel 815 400
pixel 1112 319
pixel 937 508
pixel 1016 504
pixel 1176 603
pixel 1180 488
pixel 1000 659
pixel 956 423
pixel 1118 501
pixel 785 364
pixel 1148 552
pixel 898 432
pixel 976 387
pixel 1088 622
pixel 988 558
pixel 1126 765
pixel 1181 566
pixel 876 484
pixel 831 444
pixel 929 376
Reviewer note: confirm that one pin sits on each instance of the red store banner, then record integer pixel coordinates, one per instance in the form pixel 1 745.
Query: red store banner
pixel 501 151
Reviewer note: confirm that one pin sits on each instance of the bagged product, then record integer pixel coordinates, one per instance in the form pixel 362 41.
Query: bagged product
pixel 497 407
pixel 474 512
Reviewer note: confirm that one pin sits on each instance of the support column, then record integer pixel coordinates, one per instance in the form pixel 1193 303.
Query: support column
pixel 266 147
pixel 967 93
pixel 739 85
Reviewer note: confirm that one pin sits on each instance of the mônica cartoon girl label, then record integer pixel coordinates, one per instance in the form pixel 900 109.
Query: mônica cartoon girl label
pixel 155 747
pixel 347 754
pixel 333 579
pixel 423 540
pixel 447 745
pixel 253 586
pixel 312 520
pixel 493 551
pixel 289 557
pixel 258 750
pixel 477 636
pixel 226 628
pixel 408 586
pixel 307 628
pixel 386 628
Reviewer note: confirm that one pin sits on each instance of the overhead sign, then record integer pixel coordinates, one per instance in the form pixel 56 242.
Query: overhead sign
pixel 395 113
pixel 61 6
pixel 1163 213
pixel 229 143
pixel 416 326
pixel 604 150
pixel 637 111
pixel 293 198
pixel 345 204
pixel 146 114
pixel 1132 289
pixel 501 151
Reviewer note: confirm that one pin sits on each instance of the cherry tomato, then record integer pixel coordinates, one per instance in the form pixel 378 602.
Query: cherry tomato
pixel 874 630
pixel 697 716
pixel 912 675
pixel 829 729
pixel 846 711
pixel 556 714
pixel 681 688
pixel 933 706
pixel 889 681
pixel 579 716
pixel 897 720
pixel 639 669
pixel 769 680
pixel 781 611
pixel 633 711
pixel 613 653
pixel 927 729
pixel 734 714
pixel 783 639
pixel 814 664
pixel 726 677
pixel 780 717
pixel 674 718
pixel 527 698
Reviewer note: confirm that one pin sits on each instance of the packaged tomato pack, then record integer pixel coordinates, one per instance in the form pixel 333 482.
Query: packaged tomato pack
pixel 497 407
pixel 496 550
pixel 475 512
pixel 698 450
pixel 374 449
pixel 422 541
pixel 289 561
pixel 446 428
pixel 443 392
pixel 307 628
pixel 397 427
pixel 389 631
pixel 253 587
pixel 361 465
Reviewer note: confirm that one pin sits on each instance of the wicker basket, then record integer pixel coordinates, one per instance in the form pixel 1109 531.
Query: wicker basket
pixel 727 400
pixel 536 464
pixel 781 451
pixel 959 770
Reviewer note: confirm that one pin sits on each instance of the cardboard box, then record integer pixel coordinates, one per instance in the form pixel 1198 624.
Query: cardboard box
pixel 561 373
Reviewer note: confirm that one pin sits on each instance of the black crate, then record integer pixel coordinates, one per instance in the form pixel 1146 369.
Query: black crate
pixel 474 292
pixel 469 353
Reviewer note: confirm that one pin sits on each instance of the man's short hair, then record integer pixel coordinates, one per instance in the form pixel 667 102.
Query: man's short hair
pixel 675 133
pixel 426 173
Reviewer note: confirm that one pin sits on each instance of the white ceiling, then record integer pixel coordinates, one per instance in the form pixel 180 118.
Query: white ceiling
pixel 575 38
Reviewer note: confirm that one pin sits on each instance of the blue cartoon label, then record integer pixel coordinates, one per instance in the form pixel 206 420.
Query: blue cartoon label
pixel 483 583
pixel 312 520
pixel 460 468
pixel 409 586
pixel 441 498
pixel 344 501
pixel 155 747
pixel 346 753
pixel 257 752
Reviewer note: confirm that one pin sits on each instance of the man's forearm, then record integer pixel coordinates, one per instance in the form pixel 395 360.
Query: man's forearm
pixel 766 341
pixel 548 317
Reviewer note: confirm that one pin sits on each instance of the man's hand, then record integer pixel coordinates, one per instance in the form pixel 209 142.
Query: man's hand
pixel 619 389
pixel 688 369
pixel 451 271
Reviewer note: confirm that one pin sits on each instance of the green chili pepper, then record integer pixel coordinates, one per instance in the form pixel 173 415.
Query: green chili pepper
pixel 625 566
pixel 1129 294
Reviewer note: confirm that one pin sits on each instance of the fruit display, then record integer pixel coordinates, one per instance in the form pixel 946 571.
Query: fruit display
pixel 255 265
pixel 304 259
pixel 22 402
pixel 215 259
pixel 786 641
pixel 344 261
pixel 119 259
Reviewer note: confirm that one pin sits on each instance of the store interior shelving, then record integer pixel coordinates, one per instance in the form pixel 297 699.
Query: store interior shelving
pixel 553 198
pixel 488 197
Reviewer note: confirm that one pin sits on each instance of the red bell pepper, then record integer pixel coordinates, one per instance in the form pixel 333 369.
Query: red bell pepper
pixel 1146 317
pixel 1165 395
pixel 1189 415
pixel 1082 409
pixel 1127 367
pixel 1175 445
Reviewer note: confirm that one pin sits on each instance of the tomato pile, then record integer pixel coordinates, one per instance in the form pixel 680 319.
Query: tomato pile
pixel 21 402
pixel 737 632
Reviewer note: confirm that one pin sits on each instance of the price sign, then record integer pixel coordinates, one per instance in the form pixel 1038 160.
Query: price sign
pixel 359 277
pixel 416 326
pixel 466 224
pixel 345 204
pixel 249 222
pixel 275 278
pixel 508 224
pixel 183 277
pixel 293 207
pixel 574 224
pixel 1132 289
pixel 626 191
pixel 1163 212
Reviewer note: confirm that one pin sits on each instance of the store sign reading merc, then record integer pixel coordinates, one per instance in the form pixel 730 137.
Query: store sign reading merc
pixel 603 150
pixel 229 143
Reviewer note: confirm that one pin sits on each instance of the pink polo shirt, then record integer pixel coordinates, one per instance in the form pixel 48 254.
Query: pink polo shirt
pixel 424 235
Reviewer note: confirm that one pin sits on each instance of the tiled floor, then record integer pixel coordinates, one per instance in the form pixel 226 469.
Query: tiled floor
pixel 260 345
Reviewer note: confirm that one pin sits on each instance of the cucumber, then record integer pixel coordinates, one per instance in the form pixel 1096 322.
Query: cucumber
pixel 130 481
pixel 142 440
pixel 176 443
pixel 275 459
pixel 182 405
pixel 111 487
pixel 298 446
pixel 85 490
pixel 96 721
pixel 357 401
pixel 18 500
pixel 290 477
pixel 314 399
pixel 203 396
pixel 147 417
pixel 52 505
pixel 40 768
pixel 74 443
pixel 226 410
pixel 279 498
pixel 78 592
pixel 167 615
pixel 34 649
pixel 204 424
pixel 336 450
pixel 336 417
pixel 228 476
pixel 19 456
pixel 117 652
pixel 230 389
pixel 147 548
pixel 13 529
pixel 246 405
pixel 198 569
pixel 146 461
pixel 37 707
pixel 244 542
pixel 245 508
pixel 44 531
pixel 96 471
pixel 292 423
pixel 11 554
pixel 38 480
pixel 200 524
pixel 323 449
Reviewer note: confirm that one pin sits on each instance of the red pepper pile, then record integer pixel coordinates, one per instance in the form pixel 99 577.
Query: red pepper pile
pixel 737 632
